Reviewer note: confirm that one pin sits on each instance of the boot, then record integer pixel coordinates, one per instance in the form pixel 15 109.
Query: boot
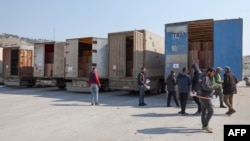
pixel 222 106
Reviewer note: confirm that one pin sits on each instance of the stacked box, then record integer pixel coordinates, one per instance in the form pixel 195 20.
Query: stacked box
pixel 207 46
pixel 195 46
pixel 49 58
pixel 48 70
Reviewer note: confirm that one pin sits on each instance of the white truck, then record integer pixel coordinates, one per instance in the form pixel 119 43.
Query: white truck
pixel 129 51
pixel 49 64
pixel 81 55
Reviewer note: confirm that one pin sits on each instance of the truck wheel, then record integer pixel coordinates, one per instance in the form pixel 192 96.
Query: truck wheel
pixel 61 87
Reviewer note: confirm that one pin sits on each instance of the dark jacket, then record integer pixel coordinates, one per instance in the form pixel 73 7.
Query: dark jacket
pixel 171 83
pixel 229 83
pixel 184 82
pixel 206 86
pixel 197 74
pixel 141 79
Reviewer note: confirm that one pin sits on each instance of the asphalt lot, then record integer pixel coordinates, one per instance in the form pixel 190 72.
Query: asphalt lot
pixel 49 114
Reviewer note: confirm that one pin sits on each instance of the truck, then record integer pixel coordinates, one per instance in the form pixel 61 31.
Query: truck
pixel 129 51
pixel 18 65
pixel 81 54
pixel 1 65
pixel 49 64
pixel 208 43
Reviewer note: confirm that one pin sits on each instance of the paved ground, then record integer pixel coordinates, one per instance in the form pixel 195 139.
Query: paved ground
pixel 49 114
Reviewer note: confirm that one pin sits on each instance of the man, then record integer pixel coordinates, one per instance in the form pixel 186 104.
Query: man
pixel 184 82
pixel 171 87
pixel 217 81
pixel 195 80
pixel 229 89
pixel 94 84
pixel 141 80
pixel 205 98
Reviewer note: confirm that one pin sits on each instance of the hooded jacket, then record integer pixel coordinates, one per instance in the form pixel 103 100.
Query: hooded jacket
pixel 197 74
pixel 206 86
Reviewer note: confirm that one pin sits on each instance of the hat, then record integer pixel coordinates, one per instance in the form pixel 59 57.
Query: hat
pixel 219 68
pixel 227 68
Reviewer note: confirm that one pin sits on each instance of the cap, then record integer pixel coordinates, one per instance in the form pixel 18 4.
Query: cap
pixel 219 68
pixel 227 67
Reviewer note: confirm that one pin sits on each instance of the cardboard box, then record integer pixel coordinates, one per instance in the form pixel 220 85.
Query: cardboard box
pixel 48 70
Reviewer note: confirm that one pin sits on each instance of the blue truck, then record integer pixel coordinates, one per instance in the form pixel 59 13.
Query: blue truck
pixel 208 43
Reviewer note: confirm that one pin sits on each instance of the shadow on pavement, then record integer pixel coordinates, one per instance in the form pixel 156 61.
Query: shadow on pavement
pixel 155 115
pixel 168 130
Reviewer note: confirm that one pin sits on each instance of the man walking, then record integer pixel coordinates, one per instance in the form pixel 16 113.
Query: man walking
pixel 218 90
pixel 141 80
pixel 229 89
pixel 184 82
pixel 196 77
pixel 171 87
pixel 205 97
pixel 94 84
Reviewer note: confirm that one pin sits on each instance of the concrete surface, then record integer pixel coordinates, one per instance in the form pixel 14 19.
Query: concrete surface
pixel 49 114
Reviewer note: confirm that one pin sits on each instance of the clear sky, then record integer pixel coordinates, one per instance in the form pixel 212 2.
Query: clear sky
pixel 64 19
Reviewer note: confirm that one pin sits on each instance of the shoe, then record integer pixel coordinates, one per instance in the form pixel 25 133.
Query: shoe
pixel 140 105
pixel 184 114
pixel 222 106
pixel 227 112
pixel 169 106
pixel 97 104
pixel 180 112
pixel 92 104
pixel 231 112
pixel 208 129
pixel 144 104
pixel 197 113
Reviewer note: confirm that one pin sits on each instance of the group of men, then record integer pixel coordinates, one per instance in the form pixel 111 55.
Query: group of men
pixel 202 86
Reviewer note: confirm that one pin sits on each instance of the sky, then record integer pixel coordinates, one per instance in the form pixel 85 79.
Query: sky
pixel 65 19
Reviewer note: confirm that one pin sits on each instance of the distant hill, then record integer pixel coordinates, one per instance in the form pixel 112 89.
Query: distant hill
pixel 15 40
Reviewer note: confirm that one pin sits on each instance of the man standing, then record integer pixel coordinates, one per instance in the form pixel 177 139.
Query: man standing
pixel 205 97
pixel 196 77
pixel 94 84
pixel 184 82
pixel 171 87
pixel 141 80
pixel 218 90
pixel 229 89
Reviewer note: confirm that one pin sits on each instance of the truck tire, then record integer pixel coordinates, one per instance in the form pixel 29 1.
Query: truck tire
pixel 61 87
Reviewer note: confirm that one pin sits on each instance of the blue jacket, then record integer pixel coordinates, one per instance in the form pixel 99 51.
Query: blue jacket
pixel 184 82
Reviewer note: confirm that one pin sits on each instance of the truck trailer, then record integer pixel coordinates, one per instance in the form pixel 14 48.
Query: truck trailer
pixel 208 43
pixel 81 55
pixel 129 51
pixel 18 66
pixel 1 65
pixel 49 64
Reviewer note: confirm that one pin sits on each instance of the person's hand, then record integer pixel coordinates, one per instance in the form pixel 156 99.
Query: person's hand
pixel 193 91
pixel 99 85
